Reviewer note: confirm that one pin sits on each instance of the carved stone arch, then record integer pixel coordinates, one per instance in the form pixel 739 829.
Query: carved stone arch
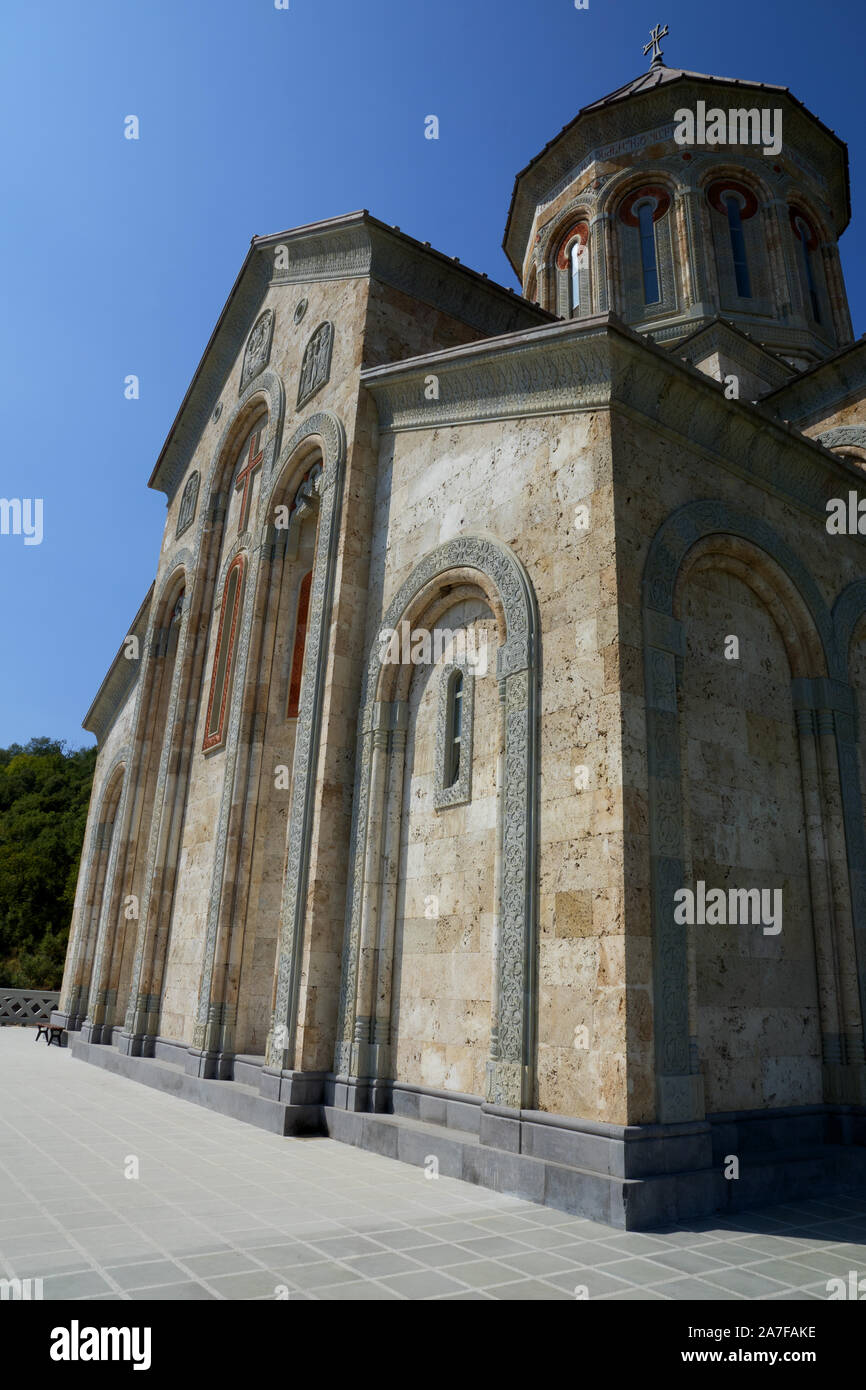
pixel 679 1090
pixel 80 974
pixel 709 169
pixel 324 432
pixel 173 585
pixel 621 185
pixel 697 520
pixel 771 584
pixel 499 572
pixel 844 437
pixel 266 390
pixel 797 197
pixel 239 546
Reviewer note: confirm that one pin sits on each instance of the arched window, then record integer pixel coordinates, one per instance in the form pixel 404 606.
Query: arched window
pixel 572 263
pixel 649 266
pixel 737 204
pixel 299 647
pixel 174 625
pixel 808 244
pixel 454 738
pixel 220 685
pixel 578 257
pixel 455 726
pixel 738 247
pixel 641 210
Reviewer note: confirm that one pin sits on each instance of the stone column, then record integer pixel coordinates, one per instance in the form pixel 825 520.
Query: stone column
pixel 361 1062
pixel 700 295
pixel 381 1058
pixel 787 274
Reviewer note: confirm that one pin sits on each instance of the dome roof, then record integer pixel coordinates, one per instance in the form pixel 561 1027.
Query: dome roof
pixel 586 131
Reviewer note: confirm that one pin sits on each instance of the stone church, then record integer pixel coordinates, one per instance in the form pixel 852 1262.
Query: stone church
pixel 501 666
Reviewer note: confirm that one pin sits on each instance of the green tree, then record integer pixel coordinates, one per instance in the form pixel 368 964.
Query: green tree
pixel 44 796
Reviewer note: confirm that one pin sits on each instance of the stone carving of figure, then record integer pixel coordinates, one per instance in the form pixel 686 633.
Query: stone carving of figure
pixel 316 365
pixel 187 504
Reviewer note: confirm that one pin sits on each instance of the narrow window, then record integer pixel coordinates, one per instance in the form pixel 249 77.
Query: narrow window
pixel 576 267
pixel 171 637
pixel 805 237
pixel 455 730
pixel 300 645
pixel 222 667
pixel 648 254
pixel 738 247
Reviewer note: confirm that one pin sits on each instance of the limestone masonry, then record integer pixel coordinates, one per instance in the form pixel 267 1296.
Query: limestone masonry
pixel 423 894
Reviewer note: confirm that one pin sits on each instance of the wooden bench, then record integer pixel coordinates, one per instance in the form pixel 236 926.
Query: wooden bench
pixel 52 1032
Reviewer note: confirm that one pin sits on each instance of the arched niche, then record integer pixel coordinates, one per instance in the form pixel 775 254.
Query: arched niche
pixel 494 570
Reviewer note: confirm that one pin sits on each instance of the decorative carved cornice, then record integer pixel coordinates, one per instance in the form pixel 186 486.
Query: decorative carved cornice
pixel 595 363
pixel 561 368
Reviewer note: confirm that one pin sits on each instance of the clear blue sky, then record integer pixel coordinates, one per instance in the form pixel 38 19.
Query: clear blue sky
pixel 117 256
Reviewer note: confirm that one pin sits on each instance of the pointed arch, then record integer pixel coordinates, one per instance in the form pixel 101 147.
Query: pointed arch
pixel 265 393
pixel 323 435
pixel 96 893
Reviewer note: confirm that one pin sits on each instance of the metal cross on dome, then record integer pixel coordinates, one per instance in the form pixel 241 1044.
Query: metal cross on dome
pixel 656 35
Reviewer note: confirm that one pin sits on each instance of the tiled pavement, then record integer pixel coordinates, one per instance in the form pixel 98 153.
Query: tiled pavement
pixel 222 1210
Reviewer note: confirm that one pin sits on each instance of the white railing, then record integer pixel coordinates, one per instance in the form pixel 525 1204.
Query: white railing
pixel 27 1005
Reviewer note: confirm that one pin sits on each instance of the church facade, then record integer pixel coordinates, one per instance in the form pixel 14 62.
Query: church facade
pixel 483 774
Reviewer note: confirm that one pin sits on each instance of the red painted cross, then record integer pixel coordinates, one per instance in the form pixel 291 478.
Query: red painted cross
pixel 245 478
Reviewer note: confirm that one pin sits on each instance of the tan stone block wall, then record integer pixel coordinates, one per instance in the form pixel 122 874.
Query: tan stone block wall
pixel 344 303
pixel 522 482
pixel 445 891
pixel 655 474
pixel 757 1023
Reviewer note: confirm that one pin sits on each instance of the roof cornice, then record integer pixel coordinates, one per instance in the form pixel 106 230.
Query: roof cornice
pixel 600 363
pixel 824 387
pixel 721 334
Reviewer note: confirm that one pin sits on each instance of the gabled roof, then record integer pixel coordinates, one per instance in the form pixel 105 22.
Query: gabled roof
pixel 659 75
pixel 822 388
pixel 716 331
pixel 355 244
